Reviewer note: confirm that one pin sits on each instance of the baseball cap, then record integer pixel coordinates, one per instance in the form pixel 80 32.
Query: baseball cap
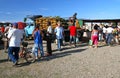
pixel 15 24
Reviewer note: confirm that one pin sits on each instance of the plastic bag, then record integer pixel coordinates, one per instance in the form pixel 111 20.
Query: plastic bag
pixel 90 42
pixel 85 34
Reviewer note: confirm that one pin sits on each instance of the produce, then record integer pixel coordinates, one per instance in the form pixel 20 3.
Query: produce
pixel 43 21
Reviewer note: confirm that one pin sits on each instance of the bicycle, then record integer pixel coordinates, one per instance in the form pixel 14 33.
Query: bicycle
pixel 26 53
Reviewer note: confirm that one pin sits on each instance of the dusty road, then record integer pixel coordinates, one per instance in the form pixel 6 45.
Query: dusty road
pixel 79 62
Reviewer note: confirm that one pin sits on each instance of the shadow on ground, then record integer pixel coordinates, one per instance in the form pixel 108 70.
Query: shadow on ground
pixel 78 45
pixel 62 54
pixel 3 60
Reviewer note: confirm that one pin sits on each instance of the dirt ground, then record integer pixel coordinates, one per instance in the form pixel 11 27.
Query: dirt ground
pixel 79 62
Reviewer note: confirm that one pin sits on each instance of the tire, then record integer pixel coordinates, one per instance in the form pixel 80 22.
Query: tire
pixel 29 57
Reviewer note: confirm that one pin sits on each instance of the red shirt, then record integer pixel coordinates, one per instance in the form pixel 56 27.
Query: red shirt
pixel 2 29
pixel 72 30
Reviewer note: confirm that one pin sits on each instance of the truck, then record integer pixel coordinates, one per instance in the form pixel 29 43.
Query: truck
pixel 33 20
pixel 42 22
pixel 30 25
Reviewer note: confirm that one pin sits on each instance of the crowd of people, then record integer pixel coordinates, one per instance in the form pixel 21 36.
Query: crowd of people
pixel 13 36
pixel 108 34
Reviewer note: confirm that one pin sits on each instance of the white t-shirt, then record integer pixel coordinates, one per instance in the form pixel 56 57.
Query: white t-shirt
pixel 110 30
pixel 49 29
pixel 7 29
pixel 22 32
pixel 104 30
pixel 15 37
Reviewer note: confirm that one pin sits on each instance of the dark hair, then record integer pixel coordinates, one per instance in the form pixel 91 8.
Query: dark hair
pixel 37 26
pixel 96 27
pixel 49 23
pixel 106 26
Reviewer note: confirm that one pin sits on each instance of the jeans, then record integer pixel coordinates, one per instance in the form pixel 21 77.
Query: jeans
pixel 72 37
pixel 37 47
pixel 13 53
pixel 59 43
pixel 109 38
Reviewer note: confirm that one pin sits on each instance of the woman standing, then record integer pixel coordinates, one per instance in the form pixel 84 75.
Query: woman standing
pixel 37 42
pixel 94 36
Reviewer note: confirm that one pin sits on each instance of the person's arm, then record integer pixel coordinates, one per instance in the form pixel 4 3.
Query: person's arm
pixel 22 35
pixel 105 31
pixel 55 31
pixel 112 30
pixel 42 34
pixel 69 28
pixel 49 30
pixel 63 33
pixel 92 34
pixel 75 31
pixel 6 30
pixel 33 33
pixel 10 35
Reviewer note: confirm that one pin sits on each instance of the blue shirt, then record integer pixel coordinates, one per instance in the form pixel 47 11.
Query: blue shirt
pixel 37 37
pixel 59 32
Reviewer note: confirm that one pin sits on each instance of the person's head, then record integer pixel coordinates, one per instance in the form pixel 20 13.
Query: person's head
pixel 110 24
pixel 15 25
pixel 72 24
pixel 37 27
pixel 106 26
pixel 58 23
pixel 9 25
pixel 49 23
pixel 96 27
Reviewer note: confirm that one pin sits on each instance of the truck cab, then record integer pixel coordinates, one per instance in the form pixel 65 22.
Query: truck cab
pixel 30 24
pixel 29 29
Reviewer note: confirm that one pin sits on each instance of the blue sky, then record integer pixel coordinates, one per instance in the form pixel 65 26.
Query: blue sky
pixel 16 10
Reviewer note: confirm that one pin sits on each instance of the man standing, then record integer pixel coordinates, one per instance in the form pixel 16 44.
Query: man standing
pixel 14 37
pixel 73 34
pixel 7 29
pixel 109 35
pixel 49 39
pixel 59 35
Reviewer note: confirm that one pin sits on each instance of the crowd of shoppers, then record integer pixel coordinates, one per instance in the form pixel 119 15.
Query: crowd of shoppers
pixel 106 33
pixel 14 37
